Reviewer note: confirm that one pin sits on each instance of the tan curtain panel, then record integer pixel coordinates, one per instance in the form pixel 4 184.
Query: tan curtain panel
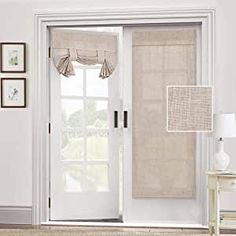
pixel 87 48
pixel 163 163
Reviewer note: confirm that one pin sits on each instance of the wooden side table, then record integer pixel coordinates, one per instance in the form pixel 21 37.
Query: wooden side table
pixel 218 182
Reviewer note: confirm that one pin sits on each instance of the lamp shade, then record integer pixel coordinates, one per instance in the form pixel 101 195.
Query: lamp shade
pixel 224 125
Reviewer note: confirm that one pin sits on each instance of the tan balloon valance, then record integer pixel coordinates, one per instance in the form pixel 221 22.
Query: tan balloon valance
pixel 85 48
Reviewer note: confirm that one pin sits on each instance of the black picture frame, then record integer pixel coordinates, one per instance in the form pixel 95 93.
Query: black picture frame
pixel 5 96
pixel 3 57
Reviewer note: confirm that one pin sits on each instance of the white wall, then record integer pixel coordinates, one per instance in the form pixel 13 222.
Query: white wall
pixel 16 24
pixel 15 124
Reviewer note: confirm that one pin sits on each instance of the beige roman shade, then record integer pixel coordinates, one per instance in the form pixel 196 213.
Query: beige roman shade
pixel 87 48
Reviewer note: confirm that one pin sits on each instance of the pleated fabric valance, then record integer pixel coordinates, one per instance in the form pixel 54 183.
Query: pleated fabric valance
pixel 86 48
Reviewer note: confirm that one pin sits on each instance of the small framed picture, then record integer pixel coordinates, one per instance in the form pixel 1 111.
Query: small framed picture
pixel 13 57
pixel 13 92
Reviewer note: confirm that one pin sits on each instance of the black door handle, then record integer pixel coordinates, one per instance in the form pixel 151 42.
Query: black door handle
pixel 125 119
pixel 115 119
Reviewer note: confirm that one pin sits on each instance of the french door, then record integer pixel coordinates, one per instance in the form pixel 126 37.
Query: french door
pixel 84 150
pixel 165 185
pixel 163 178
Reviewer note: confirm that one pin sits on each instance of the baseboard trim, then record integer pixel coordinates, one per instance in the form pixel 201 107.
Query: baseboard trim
pixel 15 215
pixel 124 225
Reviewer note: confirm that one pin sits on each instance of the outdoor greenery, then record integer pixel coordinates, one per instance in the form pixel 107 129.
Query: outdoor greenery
pixel 94 118
pixel 87 177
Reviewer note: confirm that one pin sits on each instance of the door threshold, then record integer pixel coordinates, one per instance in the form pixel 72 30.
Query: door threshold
pixel 122 224
pixel 115 220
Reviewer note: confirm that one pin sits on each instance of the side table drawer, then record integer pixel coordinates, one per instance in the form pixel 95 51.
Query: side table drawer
pixel 227 183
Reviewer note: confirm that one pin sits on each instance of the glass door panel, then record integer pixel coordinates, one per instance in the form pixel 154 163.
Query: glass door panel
pixel 97 114
pixel 73 86
pixel 96 87
pixel 97 146
pixel 86 178
pixel 84 171
pixel 72 145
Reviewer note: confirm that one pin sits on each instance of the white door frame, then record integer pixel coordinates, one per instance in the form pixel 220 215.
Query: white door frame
pixel 98 17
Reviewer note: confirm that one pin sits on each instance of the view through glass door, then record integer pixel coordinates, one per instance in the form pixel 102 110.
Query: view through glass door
pixel 84 148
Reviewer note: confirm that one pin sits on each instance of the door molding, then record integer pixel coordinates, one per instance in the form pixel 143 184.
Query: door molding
pixel 97 17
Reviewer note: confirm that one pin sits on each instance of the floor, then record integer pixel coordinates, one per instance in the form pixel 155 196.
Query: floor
pixel 116 229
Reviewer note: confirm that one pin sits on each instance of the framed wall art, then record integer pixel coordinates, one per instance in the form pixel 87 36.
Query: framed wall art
pixel 13 92
pixel 13 57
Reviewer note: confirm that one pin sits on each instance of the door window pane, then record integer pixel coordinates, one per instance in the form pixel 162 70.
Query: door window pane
pixel 82 178
pixel 74 178
pixel 72 86
pixel 72 146
pixel 97 146
pixel 72 112
pixel 96 114
pixel 96 87
pixel 98 178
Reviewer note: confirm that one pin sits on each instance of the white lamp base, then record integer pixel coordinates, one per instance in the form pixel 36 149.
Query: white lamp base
pixel 221 161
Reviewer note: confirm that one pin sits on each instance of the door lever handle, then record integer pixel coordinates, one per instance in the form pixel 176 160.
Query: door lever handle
pixel 125 119
pixel 115 119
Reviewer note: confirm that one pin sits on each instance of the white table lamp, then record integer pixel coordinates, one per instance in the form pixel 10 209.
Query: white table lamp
pixel 224 127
